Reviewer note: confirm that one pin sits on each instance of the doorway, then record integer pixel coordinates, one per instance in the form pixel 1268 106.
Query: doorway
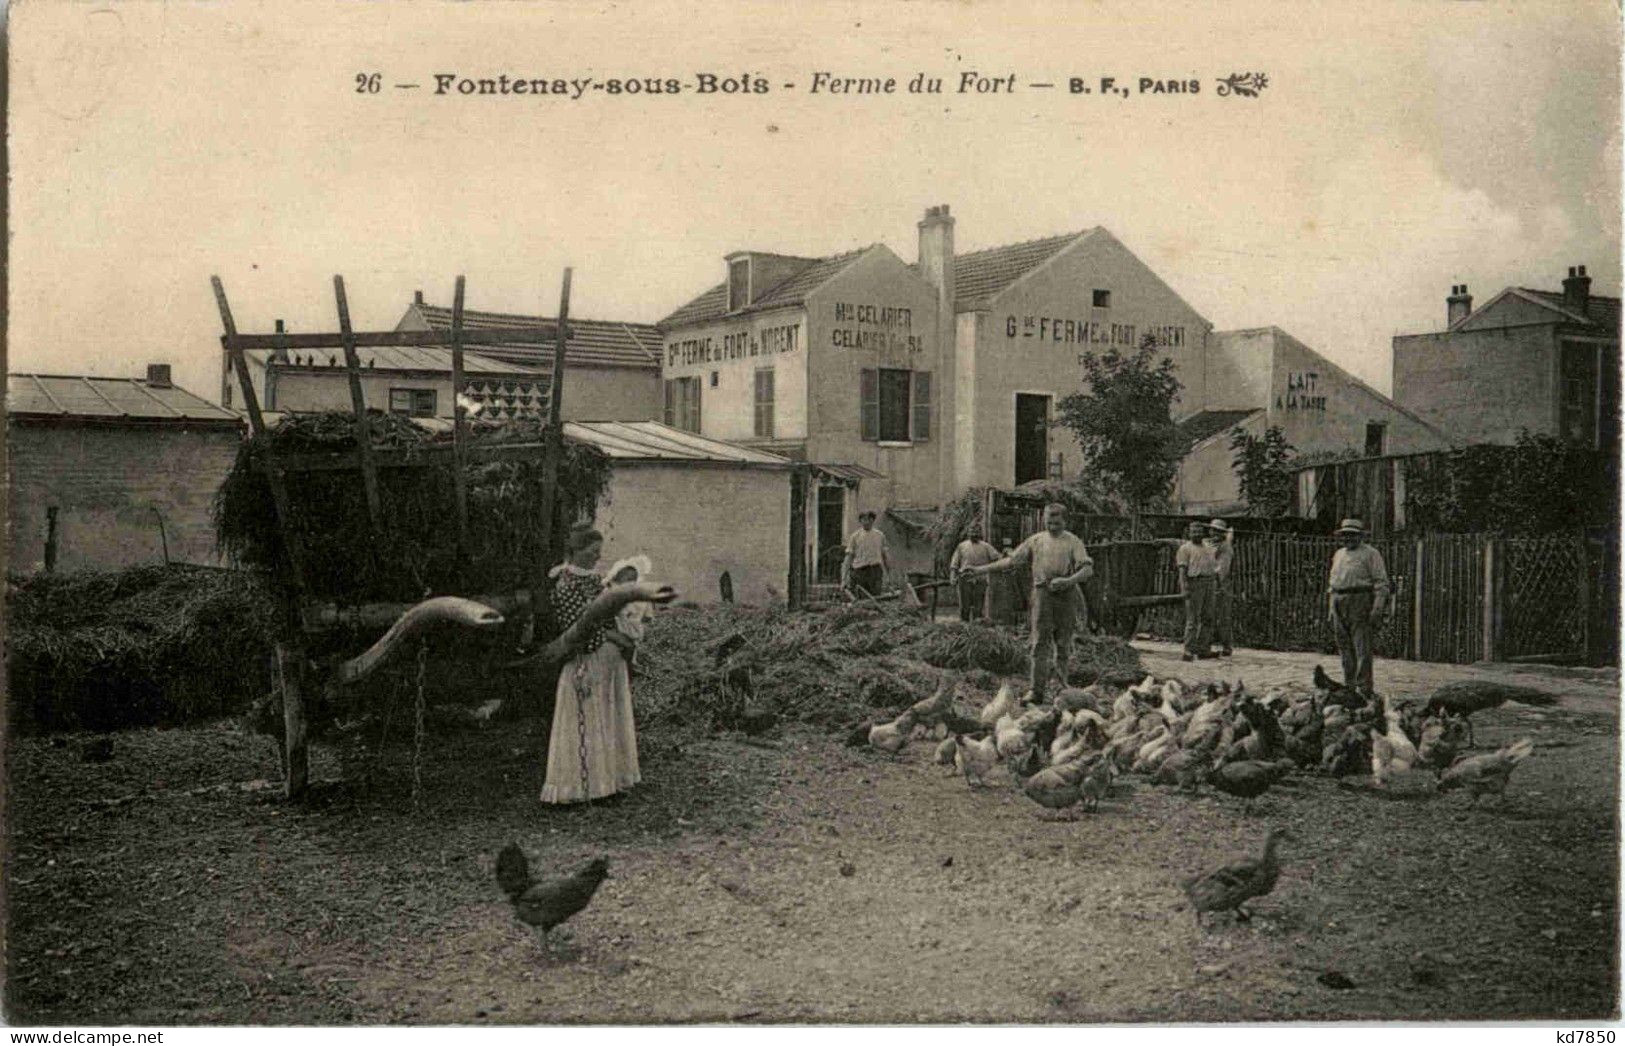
pixel 1032 437
pixel 831 536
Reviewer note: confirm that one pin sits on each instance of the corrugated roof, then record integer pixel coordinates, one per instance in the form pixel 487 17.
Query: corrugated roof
pixel 980 275
pixel 592 343
pixel 400 358
pixel 1205 424
pixel 713 304
pixel 1602 310
pixel 75 396
pixel 847 473
pixel 653 441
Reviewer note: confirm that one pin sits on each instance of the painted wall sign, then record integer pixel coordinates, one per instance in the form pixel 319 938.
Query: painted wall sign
pixel 1090 332
pixel 736 345
pixel 1301 393
pixel 881 328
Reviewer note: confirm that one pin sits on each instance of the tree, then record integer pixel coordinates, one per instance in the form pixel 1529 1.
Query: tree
pixel 1123 422
pixel 1262 465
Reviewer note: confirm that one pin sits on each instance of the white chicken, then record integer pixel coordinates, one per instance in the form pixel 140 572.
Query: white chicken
pixel 1003 703
pixel 891 737
pixel 974 758
pixel 1392 753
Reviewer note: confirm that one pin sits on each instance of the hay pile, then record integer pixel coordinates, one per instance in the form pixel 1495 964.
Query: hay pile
pixel 417 553
pixel 152 645
pixel 710 667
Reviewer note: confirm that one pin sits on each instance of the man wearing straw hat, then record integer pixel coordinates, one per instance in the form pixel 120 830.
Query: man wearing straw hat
pixel 1357 599
pixel 1224 556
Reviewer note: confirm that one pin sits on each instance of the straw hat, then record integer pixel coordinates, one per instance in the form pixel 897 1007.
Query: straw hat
pixel 1351 526
pixel 639 563
pixel 1219 525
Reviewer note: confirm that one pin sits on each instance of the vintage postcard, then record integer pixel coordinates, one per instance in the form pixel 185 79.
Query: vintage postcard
pixel 539 513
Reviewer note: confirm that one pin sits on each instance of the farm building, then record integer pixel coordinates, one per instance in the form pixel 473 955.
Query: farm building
pixel 943 374
pixel 1559 350
pixel 111 472
pixel 1256 379
pixel 614 372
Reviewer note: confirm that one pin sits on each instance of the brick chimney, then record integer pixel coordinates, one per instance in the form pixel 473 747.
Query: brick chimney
pixel 936 257
pixel 417 297
pixel 158 376
pixel 1458 305
pixel 1577 290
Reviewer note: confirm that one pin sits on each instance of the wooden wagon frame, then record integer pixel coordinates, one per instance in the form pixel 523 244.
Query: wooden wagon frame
pixel 304 616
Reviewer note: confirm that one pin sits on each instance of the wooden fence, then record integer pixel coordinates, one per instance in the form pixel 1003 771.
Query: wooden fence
pixel 1455 598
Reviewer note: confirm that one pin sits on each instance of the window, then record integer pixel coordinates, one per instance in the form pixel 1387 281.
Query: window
pixel 1579 393
pixel 894 406
pixel 764 403
pixel 228 395
pixel 714 379
pixel 417 403
pixel 1374 433
pixel 738 284
pixel 683 403
pixel 1103 299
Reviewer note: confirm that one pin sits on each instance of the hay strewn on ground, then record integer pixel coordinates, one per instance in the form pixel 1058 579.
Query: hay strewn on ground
pixel 830 669
pixel 138 647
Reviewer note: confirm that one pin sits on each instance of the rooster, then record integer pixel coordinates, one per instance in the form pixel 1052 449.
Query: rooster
pixel 1338 693
pixel 546 905
pixel 1485 774
pixel 1391 752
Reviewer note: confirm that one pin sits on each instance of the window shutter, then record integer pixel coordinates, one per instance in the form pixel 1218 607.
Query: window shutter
pixel 697 384
pixel 670 416
pixel 869 404
pixel 922 406
pixel 764 403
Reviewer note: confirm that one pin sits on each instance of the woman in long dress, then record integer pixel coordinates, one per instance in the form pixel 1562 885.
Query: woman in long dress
pixel 593 751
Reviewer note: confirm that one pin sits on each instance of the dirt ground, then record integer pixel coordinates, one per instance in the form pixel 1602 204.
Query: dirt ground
pixel 798 880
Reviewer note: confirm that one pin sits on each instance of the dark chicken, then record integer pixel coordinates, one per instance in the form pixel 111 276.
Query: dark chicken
pixel 546 905
pixel 1247 779
pixel 1230 887
pixel 1337 693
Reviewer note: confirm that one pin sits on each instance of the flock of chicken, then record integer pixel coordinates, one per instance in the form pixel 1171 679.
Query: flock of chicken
pixel 1066 755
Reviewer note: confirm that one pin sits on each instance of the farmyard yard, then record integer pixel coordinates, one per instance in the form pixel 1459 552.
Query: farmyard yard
pixel 792 878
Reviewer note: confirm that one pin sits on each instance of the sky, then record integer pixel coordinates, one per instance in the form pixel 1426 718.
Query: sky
pixel 1398 149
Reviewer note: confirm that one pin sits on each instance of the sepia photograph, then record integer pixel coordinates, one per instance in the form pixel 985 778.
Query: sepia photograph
pixel 863 512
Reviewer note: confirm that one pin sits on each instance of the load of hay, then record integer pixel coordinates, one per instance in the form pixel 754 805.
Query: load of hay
pixel 152 645
pixel 726 667
pixel 416 553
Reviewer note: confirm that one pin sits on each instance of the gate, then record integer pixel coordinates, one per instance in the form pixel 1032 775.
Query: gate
pixel 1545 589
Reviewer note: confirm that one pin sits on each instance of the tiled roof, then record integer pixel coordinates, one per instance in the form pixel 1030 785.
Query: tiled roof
pixel 593 343
pixel 124 399
pixel 980 275
pixel 713 304
pixel 1205 424
pixel 1602 310
pixel 399 358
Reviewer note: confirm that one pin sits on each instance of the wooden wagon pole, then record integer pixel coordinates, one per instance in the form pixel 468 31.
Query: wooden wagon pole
pixel 358 403
pixel 289 652
pixel 553 447
pixel 459 427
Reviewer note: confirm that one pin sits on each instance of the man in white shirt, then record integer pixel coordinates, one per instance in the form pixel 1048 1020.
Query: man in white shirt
pixel 1059 562
pixel 867 560
pixel 1356 602
pixel 972 552
pixel 1198 575
pixel 1219 539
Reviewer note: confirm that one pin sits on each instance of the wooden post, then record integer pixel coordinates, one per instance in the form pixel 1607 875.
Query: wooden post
pixel 1582 578
pixel 358 403
pixel 50 539
pixel 798 537
pixel 1416 604
pixel 553 448
pixel 293 711
pixel 459 434
pixel 291 669
pixel 1489 598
